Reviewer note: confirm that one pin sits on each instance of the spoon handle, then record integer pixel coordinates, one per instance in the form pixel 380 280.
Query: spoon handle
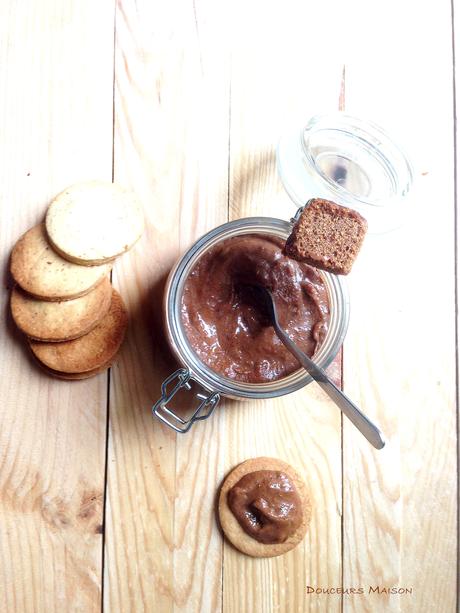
pixel 348 408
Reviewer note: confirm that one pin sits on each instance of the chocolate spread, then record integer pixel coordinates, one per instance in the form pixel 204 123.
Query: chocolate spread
pixel 227 327
pixel 266 505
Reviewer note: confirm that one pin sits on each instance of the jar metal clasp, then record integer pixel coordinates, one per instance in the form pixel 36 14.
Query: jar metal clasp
pixel 298 213
pixel 181 379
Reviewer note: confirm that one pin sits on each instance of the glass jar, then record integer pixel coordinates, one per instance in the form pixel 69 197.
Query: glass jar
pixel 351 162
pixel 212 383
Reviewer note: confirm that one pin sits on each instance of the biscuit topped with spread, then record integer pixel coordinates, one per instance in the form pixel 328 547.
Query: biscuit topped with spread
pixel 94 222
pixel 264 507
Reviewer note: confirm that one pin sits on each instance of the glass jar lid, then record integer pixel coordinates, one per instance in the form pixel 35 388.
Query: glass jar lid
pixel 350 161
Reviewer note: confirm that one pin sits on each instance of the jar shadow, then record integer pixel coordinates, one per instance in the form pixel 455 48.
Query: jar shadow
pixel 145 363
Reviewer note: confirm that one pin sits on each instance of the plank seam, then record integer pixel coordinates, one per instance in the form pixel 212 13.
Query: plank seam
pixel 104 499
pixel 229 139
pixel 107 423
pixel 456 288
pixel 342 549
pixel 228 219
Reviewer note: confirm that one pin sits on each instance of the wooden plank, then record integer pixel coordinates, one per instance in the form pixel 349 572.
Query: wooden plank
pixel 163 548
pixel 56 129
pixel 275 85
pixel 400 503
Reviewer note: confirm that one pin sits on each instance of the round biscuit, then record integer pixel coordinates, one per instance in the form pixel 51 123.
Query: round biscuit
pixel 74 376
pixel 43 273
pixel 232 529
pixel 88 352
pixel 94 222
pixel 60 321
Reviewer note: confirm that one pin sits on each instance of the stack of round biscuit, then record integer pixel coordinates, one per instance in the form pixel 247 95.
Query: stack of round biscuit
pixel 63 300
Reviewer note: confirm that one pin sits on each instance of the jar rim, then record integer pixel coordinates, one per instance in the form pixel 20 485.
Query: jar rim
pixel 210 379
pixel 369 135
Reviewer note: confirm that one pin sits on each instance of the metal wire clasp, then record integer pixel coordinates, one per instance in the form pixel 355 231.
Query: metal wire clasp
pixel 299 212
pixel 204 410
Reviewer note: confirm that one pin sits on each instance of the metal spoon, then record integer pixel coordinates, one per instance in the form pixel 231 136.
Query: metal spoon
pixel 348 408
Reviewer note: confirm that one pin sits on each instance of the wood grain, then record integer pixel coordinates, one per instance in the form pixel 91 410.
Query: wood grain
pixel 56 129
pixel 171 146
pixel 400 504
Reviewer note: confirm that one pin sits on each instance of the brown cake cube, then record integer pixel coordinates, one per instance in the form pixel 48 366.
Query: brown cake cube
pixel 327 236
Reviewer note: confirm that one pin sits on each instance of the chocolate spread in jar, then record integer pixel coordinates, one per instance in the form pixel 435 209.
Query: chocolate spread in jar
pixel 266 505
pixel 226 327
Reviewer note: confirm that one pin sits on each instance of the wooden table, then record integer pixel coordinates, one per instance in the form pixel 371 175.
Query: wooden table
pixel 184 101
